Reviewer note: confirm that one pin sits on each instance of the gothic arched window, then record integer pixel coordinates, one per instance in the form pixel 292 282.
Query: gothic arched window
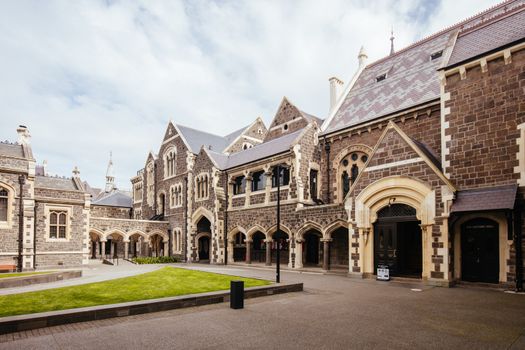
pixel 4 203
pixel 349 168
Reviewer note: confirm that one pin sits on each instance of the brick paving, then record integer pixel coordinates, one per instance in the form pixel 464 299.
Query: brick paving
pixel 334 312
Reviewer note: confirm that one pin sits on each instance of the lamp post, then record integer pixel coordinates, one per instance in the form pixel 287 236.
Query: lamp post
pixel 19 264
pixel 278 231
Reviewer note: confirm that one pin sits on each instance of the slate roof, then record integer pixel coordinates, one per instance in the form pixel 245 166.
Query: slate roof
pixel 196 139
pixel 260 151
pixel 115 198
pixel 500 32
pixel 11 149
pixel 57 183
pixel 489 198
pixel 411 75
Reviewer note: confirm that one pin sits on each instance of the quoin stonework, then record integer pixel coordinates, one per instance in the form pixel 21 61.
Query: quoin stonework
pixel 418 166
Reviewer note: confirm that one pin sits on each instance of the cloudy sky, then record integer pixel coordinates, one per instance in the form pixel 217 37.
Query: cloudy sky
pixel 90 77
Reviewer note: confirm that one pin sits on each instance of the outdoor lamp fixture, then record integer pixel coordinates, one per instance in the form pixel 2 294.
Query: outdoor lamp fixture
pixel 278 231
pixel 391 201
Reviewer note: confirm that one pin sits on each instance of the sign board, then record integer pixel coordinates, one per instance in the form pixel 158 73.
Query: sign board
pixel 383 273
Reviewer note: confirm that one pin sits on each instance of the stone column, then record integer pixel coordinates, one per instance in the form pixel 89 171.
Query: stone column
pixel 299 253
pixel 248 251
pixel 326 254
pixel 231 260
pixel 268 253
pixel 94 248
pixel 166 249
pixel 126 249
pixel 103 253
pixel 112 249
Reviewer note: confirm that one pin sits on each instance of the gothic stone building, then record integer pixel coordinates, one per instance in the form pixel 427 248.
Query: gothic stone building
pixel 418 166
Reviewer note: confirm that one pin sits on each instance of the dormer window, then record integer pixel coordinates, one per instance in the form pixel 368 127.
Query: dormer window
pixel 436 54
pixel 381 77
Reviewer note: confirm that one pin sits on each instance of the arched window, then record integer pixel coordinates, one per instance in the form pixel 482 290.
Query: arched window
pixel 170 162
pixel 4 203
pixel 349 168
pixel 57 224
pixel 201 186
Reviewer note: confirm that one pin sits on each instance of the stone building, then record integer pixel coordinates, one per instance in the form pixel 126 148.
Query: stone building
pixel 419 166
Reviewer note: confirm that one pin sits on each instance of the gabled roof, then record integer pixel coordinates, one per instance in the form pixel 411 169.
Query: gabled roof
pixel 411 75
pixel 257 152
pixel 195 139
pixel 506 29
pixel 115 198
pixel 57 183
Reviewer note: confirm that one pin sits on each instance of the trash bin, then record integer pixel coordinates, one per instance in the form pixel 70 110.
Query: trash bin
pixel 236 294
pixel 383 273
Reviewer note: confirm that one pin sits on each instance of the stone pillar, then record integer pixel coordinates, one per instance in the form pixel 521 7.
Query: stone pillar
pixel 112 249
pixel 248 251
pixel 299 253
pixel 231 260
pixel 126 249
pixel 103 253
pixel 139 246
pixel 166 248
pixel 268 253
pixel 94 247
pixel 326 254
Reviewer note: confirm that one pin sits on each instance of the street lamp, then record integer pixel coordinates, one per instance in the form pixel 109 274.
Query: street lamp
pixel 278 231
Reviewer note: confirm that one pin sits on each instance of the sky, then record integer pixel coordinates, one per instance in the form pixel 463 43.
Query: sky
pixel 93 77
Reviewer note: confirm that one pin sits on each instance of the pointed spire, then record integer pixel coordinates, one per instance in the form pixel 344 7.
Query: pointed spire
pixel 392 41
pixel 362 56
pixel 110 176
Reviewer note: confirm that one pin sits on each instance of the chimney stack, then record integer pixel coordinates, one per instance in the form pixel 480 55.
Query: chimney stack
pixel 336 87
pixel 24 138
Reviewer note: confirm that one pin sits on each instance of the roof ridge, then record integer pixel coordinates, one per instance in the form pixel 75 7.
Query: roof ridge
pixel 450 28
pixel 204 132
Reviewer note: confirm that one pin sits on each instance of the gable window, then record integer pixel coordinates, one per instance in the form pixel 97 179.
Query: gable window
pixel 313 184
pixel 258 181
pixel 349 169
pixel 201 186
pixel 4 203
pixel 169 163
pixel 176 195
pixel 239 185
pixel 283 176
pixel 57 224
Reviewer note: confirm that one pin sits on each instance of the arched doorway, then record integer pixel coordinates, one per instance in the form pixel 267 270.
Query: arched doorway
pixel 398 241
pixel 312 248
pixel 339 249
pixel 239 247
pixel 157 245
pixel 284 248
pixel 203 239
pixel 258 247
pixel 480 251
pixel 95 244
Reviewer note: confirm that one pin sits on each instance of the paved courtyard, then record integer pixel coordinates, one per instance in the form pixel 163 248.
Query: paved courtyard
pixel 333 312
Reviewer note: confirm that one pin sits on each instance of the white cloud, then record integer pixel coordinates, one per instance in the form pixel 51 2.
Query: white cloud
pixel 88 77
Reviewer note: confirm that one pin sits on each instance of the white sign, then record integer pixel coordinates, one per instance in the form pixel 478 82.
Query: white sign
pixel 383 273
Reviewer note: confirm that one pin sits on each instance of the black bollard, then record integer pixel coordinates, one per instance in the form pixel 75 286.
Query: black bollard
pixel 236 294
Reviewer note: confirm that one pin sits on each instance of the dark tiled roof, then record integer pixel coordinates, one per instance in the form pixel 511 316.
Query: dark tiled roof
pixel 476 41
pixel 489 198
pixel 411 76
pixel 57 183
pixel 11 149
pixel 411 79
pixel 260 151
pixel 115 198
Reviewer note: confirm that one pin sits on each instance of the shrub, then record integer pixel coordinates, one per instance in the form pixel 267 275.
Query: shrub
pixel 156 260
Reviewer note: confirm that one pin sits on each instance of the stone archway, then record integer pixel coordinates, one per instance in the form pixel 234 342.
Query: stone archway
pixel 239 247
pixel 95 238
pixel 258 240
pixel 382 193
pixel 159 243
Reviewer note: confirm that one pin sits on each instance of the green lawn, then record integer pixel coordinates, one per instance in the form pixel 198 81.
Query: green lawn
pixel 165 282
pixel 20 274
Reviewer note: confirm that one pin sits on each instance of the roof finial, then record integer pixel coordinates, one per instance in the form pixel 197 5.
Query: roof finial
pixel 392 41
pixel 110 175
